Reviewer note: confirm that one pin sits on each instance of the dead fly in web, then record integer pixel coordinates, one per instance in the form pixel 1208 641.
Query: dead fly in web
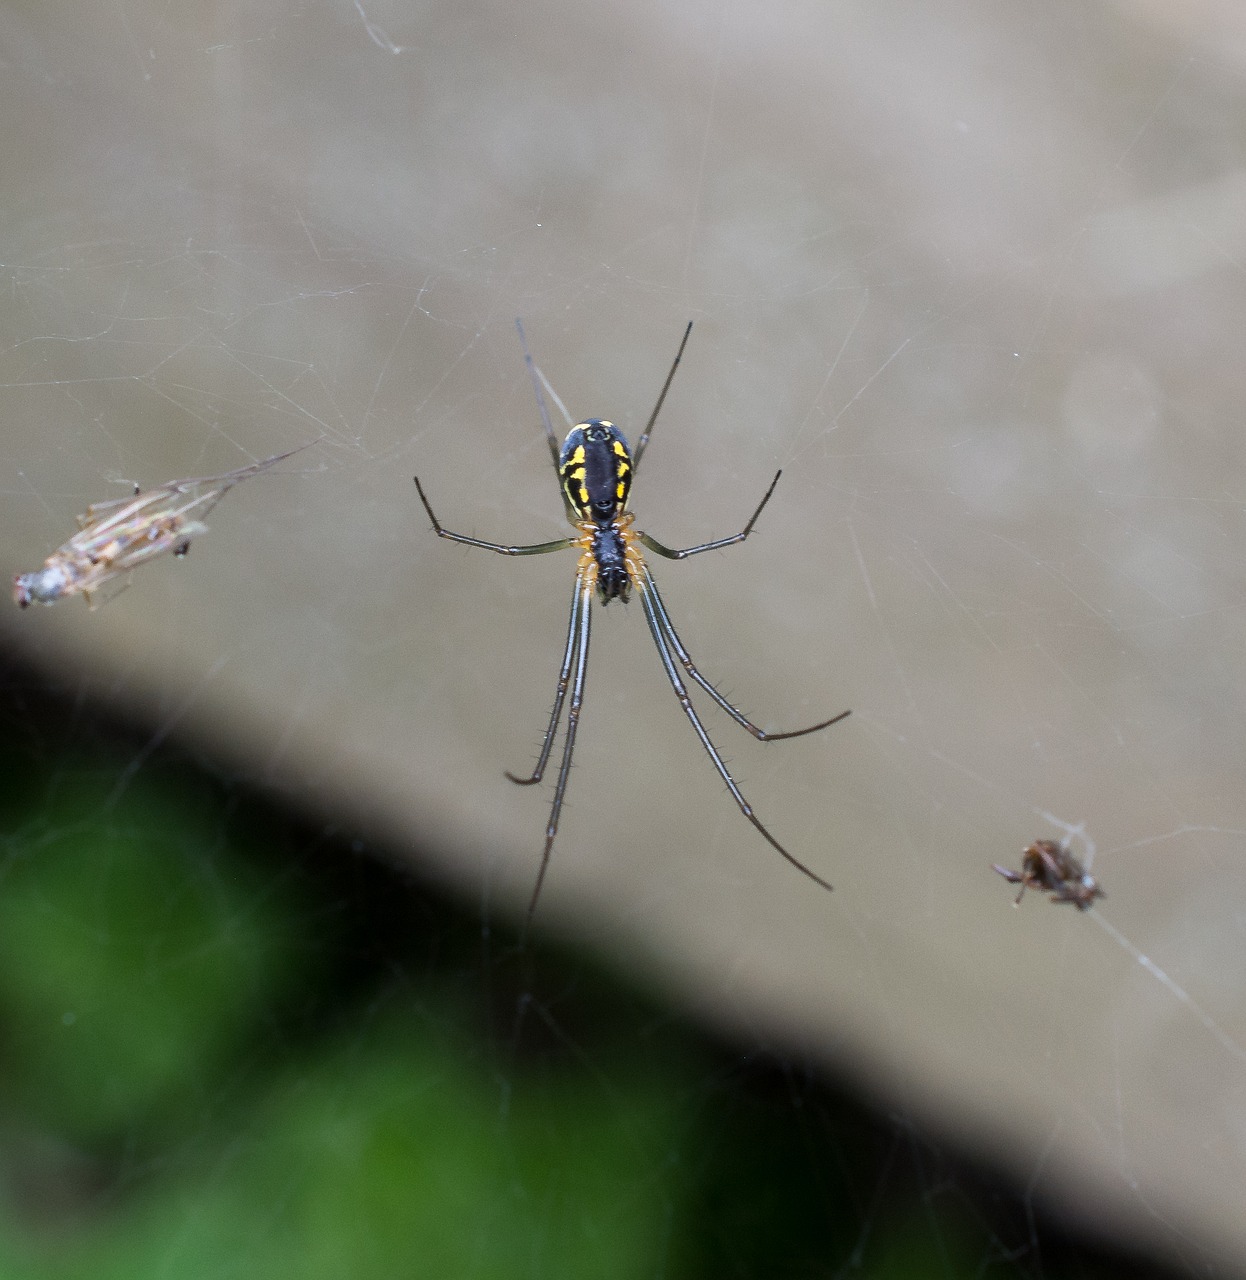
pixel 114 538
pixel 1049 867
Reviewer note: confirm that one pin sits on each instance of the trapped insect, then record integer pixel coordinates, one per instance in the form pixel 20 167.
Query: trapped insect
pixel 115 537
pixel 595 470
pixel 1051 868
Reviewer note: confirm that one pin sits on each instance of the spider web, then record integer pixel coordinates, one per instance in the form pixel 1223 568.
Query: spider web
pixel 972 279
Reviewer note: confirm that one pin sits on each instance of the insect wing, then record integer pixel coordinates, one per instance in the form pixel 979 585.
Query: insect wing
pixel 224 483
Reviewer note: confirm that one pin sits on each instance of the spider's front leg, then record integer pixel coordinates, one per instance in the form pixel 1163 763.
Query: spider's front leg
pixel 532 549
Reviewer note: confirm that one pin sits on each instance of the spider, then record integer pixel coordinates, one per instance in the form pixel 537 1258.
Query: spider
pixel 1051 868
pixel 115 537
pixel 595 470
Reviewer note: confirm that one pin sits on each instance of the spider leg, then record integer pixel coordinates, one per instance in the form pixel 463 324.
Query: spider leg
pixel 533 549
pixel 580 633
pixel 657 408
pixel 560 692
pixel 689 666
pixel 540 395
pixel 654 545
pixel 644 588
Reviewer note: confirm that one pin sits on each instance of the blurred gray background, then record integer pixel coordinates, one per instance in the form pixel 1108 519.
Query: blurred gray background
pixel 971 274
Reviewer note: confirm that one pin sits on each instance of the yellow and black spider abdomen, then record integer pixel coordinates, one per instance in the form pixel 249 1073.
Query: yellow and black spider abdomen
pixel 595 468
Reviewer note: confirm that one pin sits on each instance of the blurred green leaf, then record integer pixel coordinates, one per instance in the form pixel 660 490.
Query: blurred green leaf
pixel 134 945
